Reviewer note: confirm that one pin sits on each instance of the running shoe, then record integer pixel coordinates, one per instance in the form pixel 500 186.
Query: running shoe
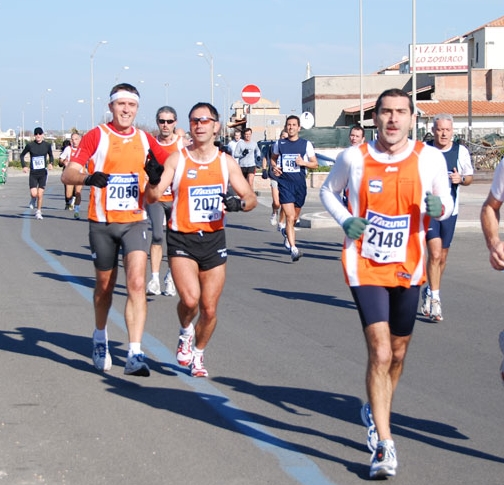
pixel 67 206
pixel 153 287
pixel 33 202
pixel 368 421
pixel 72 204
pixel 169 285
pixel 383 460
pixel 296 254
pixel 136 366
pixel 273 219
pixel 101 356
pixel 426 302
pixel 184 349
pixel 38 215
pixel 76 215
pixel 435 312
pixel 197 366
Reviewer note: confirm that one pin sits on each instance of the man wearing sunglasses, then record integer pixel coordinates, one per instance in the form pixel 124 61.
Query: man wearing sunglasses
pixel 116 152
pixel 166 119
pixel 199 176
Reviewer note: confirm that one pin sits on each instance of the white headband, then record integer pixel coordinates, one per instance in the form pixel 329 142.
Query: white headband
pixel 124 94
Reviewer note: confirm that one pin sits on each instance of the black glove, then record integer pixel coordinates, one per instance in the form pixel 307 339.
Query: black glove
pixel 98 179
pixel 245 152
pixel 264 174
pixel 232 203
pixel 153 169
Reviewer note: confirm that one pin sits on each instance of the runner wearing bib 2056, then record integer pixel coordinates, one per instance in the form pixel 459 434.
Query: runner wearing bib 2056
pixel 115 153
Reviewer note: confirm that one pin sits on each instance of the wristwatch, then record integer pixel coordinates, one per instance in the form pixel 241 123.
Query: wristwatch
pixel 463 179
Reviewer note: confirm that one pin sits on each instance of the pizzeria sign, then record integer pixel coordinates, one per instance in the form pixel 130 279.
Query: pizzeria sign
pixel 440 57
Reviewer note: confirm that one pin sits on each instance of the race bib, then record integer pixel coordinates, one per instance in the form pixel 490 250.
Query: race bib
pixel 205 203
pixel 122 192
pixel 38 162
pixel 289 163
pixel 386 238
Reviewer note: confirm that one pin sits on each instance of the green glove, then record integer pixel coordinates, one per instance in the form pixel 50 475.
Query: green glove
pixel 434 205
pixel 354 227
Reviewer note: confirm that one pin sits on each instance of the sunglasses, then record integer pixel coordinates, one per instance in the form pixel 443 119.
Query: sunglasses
pixel 162 122
pixel 204 120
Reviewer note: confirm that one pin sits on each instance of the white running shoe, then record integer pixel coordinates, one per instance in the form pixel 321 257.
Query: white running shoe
pixel 33 202
pixel 101 356
pixel 383 460
pixel 136 366
pixel 169 285
pixel 296 254
pixel 184 349
pixel 197 367
pixel 435 312
pixel 153 287
pixel 38 215
pixel 273 219
pixel 426 302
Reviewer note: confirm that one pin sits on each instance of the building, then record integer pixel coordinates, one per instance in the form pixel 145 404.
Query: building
pixel 471 89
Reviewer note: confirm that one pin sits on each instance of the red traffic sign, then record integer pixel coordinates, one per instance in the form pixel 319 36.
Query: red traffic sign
pixel 251 94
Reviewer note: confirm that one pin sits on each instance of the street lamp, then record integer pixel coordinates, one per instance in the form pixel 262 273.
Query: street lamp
pixel 125 68
pixel 48 90
pixel 92 80
pixel 209 59
pixel 228 97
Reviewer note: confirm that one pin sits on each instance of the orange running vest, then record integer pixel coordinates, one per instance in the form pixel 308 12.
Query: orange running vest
pixel 197 205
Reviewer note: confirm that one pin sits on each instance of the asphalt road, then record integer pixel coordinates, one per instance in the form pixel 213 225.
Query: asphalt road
pixel 287 366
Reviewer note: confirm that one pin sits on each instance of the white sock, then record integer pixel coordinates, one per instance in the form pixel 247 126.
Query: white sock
pixel 155 276
pixel 294 249
pixel 100 335
pixel 187 331
pixel 134 348
pixel 435 294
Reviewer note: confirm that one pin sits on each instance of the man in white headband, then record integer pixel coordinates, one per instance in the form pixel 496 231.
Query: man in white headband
pixel 115 153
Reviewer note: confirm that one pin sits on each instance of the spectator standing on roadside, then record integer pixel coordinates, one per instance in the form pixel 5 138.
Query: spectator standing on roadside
pixel 160 211
pixel 116 152
pixel 72 192
pixel 393 185
pixel 199 176
pixel 41 159
pixel 440 233
pixel 290 159
pixel 357 136
pixel 247 153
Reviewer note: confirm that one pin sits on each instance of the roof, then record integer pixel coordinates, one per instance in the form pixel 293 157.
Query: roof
pixel 459 108
pixel 494 23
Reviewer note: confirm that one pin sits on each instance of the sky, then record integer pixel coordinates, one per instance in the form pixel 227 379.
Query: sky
pixel 47 49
